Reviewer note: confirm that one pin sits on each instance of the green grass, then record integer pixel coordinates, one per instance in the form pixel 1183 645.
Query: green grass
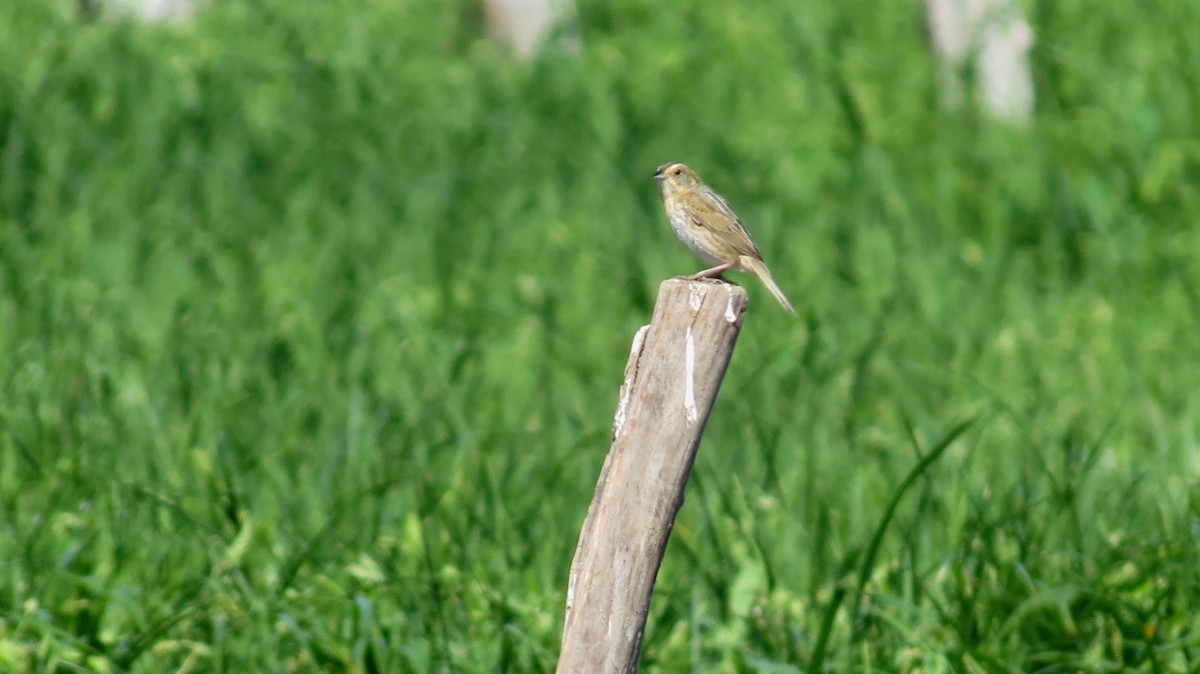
pixel 312 323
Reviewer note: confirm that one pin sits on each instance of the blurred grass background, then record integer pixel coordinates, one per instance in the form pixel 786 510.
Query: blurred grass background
pixel 313 315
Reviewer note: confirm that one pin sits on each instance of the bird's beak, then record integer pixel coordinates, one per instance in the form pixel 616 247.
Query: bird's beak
pixel 659 175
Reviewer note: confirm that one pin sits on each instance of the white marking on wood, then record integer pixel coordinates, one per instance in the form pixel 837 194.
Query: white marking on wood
pixel 689 373
pixel 571 593
pixel 731 312
pixel 627 385
pixel 696 296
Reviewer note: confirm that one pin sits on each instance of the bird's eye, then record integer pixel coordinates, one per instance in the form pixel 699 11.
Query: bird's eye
pixel 676 172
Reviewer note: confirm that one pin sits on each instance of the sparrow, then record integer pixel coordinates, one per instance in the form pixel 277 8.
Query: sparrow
pixel 706 224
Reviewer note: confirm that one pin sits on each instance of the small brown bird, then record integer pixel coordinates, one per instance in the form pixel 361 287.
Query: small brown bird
pixel 706 223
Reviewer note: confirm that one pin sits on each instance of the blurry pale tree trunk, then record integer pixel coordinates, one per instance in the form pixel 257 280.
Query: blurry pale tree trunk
pixel 993 36
pixel 151 10
pixel 525 24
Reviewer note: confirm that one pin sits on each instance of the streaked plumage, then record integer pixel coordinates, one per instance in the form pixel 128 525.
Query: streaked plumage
pixel 705 222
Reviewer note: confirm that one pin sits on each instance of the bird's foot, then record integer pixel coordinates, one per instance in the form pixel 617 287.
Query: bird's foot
pixel 715 273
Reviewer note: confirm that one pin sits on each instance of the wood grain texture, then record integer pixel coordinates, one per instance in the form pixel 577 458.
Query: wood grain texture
pixel 671 380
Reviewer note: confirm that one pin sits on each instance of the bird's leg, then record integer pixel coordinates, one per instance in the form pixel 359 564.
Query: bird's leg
pixel 715 272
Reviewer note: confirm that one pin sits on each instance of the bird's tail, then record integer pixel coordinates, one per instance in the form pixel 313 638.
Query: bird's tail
pixel 759 268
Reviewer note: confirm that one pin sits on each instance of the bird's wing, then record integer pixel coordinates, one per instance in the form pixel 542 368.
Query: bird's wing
pixel 719 209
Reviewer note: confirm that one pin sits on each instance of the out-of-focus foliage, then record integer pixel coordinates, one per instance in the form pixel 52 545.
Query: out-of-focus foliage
pixel 312 317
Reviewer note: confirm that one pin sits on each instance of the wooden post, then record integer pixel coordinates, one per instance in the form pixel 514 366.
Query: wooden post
pixel 675 368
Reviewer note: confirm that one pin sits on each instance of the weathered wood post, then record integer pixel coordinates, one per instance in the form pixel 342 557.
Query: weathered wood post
pixel 675 368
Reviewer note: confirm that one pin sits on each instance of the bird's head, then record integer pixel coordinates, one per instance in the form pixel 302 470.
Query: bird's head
pixel 677 175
